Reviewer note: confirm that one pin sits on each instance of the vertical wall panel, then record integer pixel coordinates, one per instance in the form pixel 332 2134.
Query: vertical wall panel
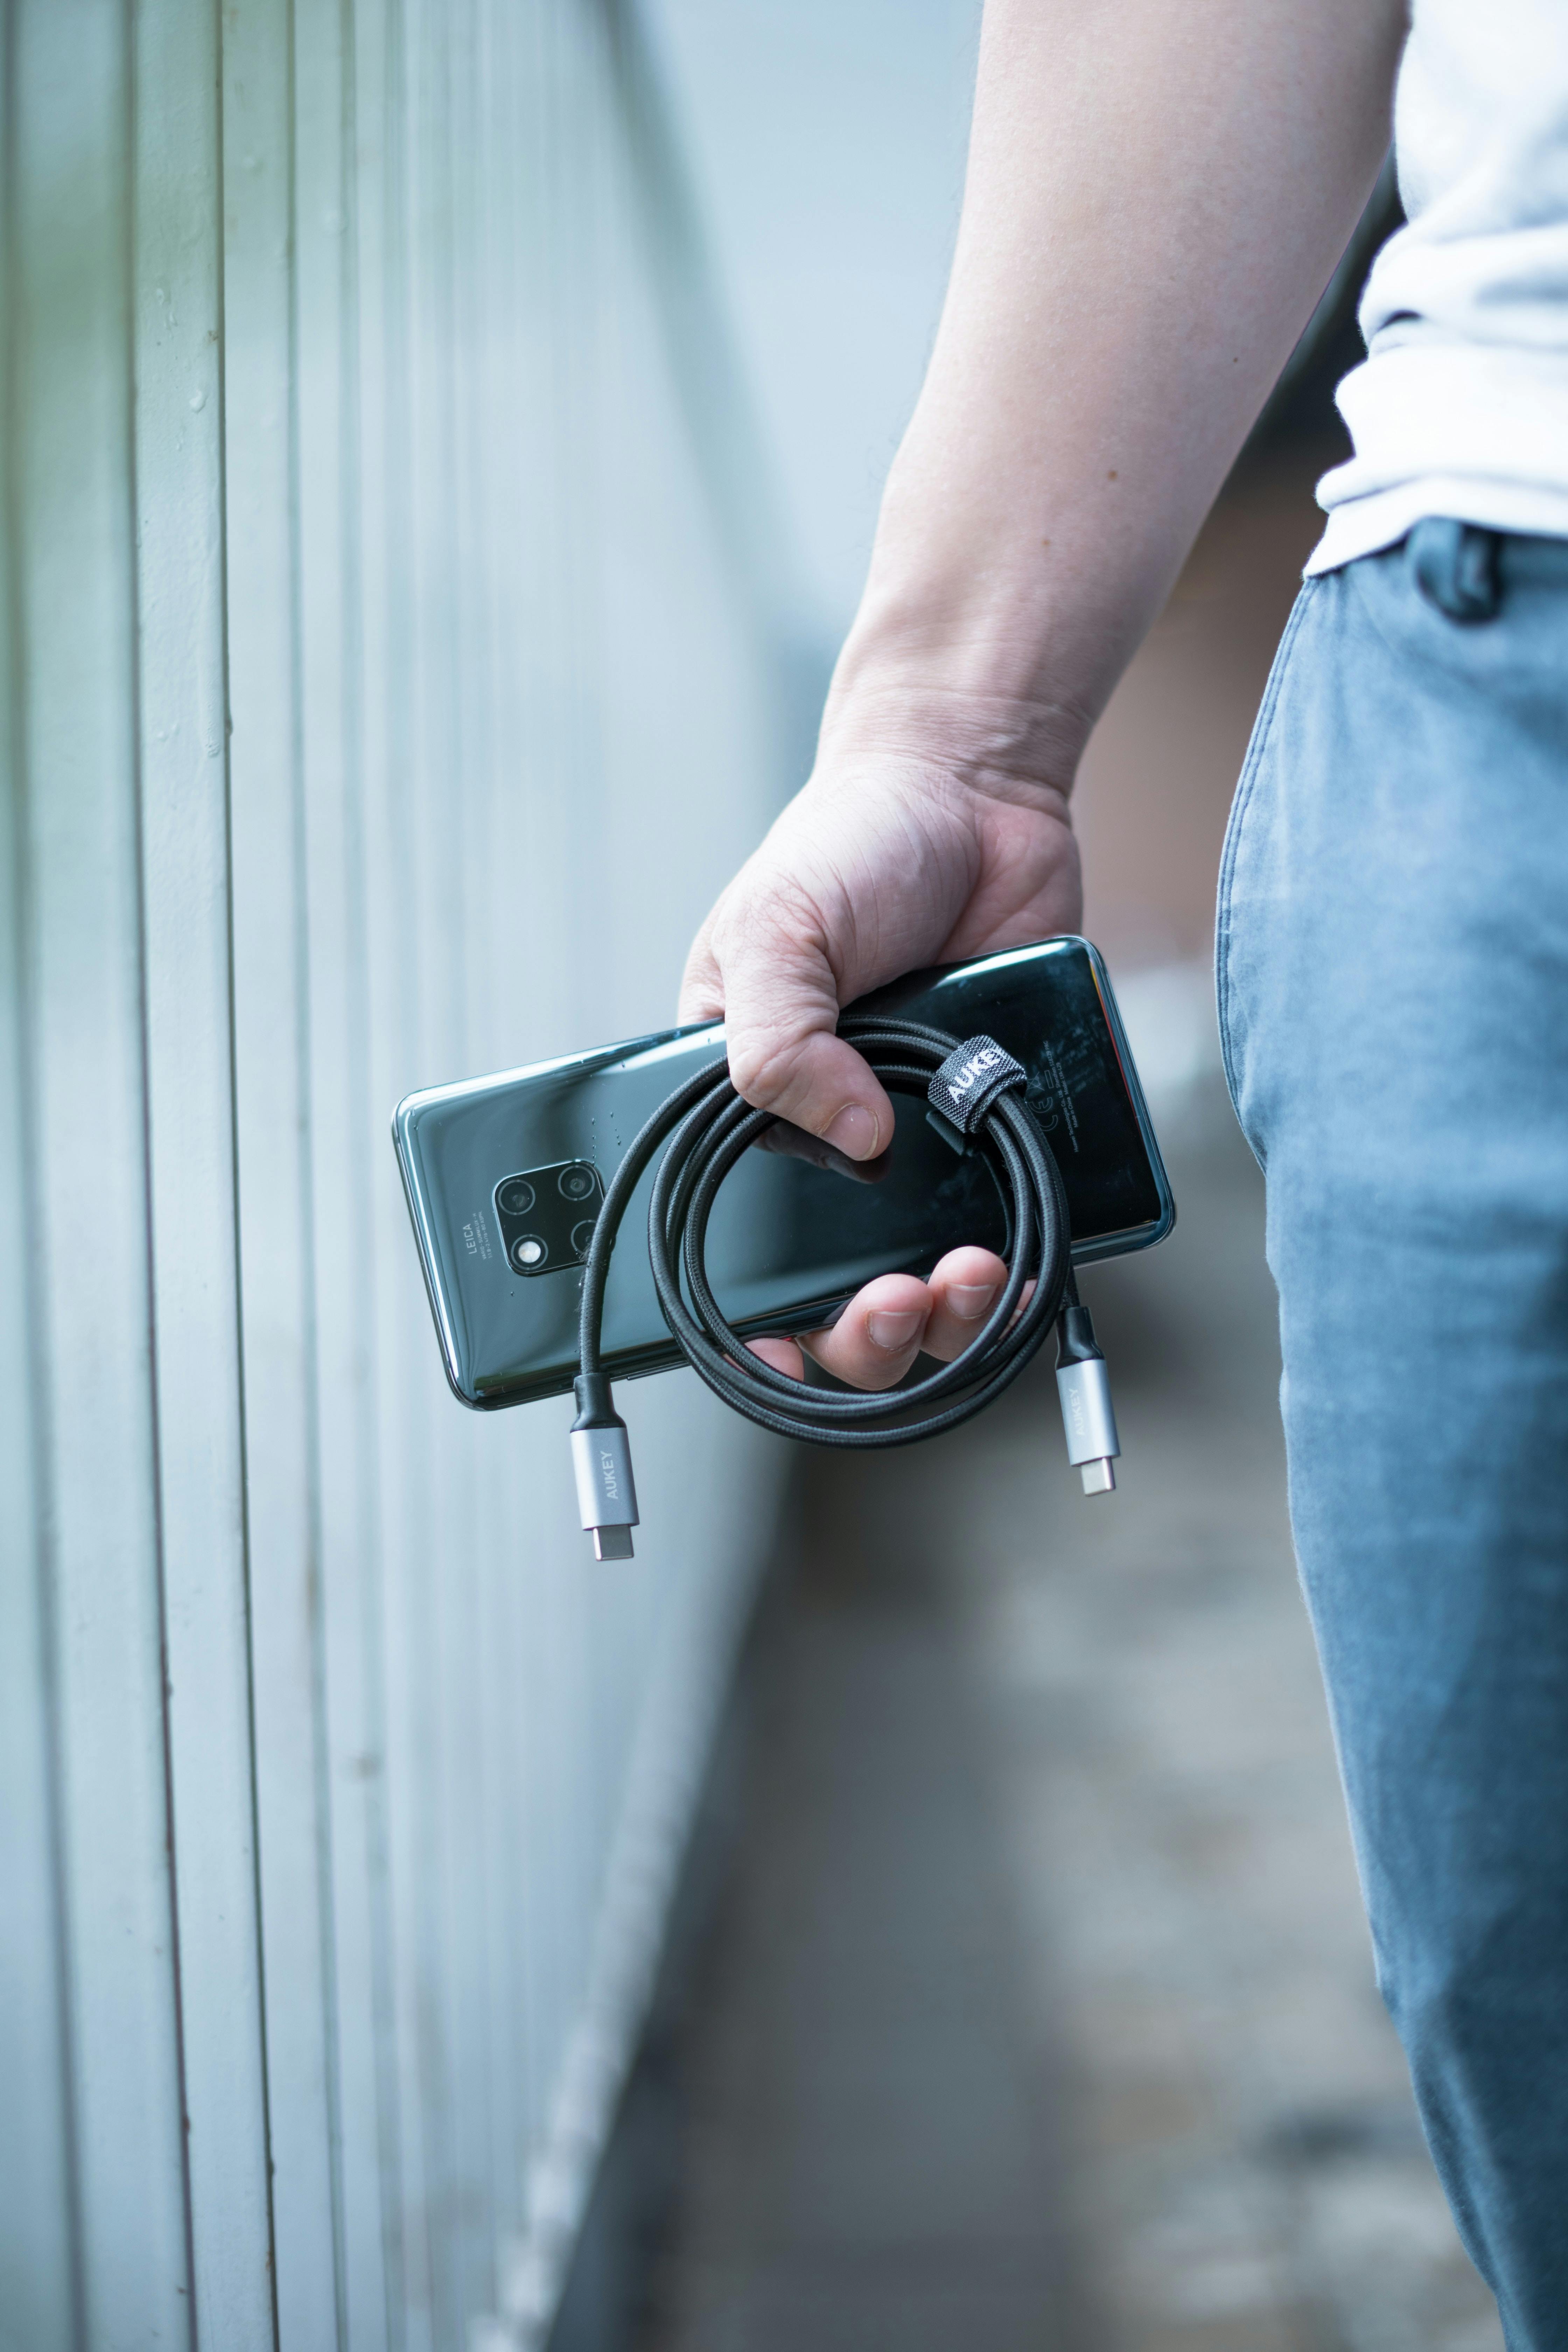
pixel 342 1115
pixel 389 682
pixel 90 1237
pixel 390 988
pixel 183 750
pixel 272 1016
pixel 39 2281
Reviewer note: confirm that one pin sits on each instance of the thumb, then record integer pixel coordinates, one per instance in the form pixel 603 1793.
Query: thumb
pixel 780 1008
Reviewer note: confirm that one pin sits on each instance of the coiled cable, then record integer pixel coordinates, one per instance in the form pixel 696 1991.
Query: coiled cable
pixel 705 1127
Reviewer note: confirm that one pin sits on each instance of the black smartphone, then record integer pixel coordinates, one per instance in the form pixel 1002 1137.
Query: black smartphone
pixel 505 1176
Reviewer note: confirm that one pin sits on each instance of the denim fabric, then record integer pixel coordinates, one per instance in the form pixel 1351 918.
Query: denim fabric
pixel 1393 951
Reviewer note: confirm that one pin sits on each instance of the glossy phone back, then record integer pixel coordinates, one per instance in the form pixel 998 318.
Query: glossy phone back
pixel 796 1230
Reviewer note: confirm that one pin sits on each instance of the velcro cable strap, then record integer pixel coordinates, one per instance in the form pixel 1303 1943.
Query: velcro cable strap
pixel 970 1080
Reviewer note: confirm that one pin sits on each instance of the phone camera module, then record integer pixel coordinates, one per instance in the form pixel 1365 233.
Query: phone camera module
pixel 547 1215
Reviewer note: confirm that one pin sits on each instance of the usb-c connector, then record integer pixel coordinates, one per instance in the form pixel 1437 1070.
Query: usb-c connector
pixel 602 1463
pixel 1088 1414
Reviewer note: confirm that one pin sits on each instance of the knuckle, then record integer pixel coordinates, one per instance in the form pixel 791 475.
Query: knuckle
pixel 764 1065
pixel 701 987
pixel 768 918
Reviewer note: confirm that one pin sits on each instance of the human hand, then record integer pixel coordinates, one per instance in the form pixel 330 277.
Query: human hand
pixel 909 846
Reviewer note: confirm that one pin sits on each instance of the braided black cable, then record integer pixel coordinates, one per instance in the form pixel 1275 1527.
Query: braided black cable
pixel 705 1127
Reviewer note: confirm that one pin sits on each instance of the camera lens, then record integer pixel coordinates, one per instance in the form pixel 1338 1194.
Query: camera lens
pixel 515 1197
pixel 529 1253
pixel 582 1234
pixel 577 1183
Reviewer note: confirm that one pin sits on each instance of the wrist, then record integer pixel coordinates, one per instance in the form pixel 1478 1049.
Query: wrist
pixel 961 711
pixel 975 653
pixel 1001 606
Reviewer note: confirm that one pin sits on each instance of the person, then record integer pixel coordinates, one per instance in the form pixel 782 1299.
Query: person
pixel 1155 198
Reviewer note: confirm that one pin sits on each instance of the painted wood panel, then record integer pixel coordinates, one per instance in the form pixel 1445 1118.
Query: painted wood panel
pixel 392 669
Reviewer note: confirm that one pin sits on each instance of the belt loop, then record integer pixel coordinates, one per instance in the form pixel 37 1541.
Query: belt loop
pixel 1455 565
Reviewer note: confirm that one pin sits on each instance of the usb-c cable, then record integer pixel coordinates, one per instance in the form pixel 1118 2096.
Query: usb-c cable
pixel 974 1093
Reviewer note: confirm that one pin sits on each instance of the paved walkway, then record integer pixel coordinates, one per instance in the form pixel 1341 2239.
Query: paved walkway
pixel 1036 2013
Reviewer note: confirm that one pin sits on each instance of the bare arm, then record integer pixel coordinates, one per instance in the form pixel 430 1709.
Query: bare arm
pixel 1156 196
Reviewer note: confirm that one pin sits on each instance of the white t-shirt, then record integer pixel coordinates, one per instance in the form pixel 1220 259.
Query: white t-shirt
pixel 1461 405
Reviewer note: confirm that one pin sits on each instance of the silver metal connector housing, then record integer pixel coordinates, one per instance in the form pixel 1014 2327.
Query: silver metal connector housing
pixel 1089 1419
pixel 606 1496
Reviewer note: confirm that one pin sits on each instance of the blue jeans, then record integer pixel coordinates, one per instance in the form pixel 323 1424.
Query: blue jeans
pixel 1392 949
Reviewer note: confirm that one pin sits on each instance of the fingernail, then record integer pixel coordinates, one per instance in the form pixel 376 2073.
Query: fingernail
pixel 969 1300
pixel 894 1330
pixel 855 1132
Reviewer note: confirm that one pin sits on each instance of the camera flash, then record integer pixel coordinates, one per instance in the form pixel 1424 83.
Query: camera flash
pixel 528 1252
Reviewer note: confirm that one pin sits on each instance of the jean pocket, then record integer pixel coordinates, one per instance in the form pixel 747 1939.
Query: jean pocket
pixel 1230 1021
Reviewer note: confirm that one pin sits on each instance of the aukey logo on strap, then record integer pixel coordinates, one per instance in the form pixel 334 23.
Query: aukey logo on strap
pixel 970 1080
pixel 988 1058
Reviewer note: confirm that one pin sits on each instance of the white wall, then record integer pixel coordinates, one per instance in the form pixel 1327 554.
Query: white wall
pixel 387 656
pixel 826 138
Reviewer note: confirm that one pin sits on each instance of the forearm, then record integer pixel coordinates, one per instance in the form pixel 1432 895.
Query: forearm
pixel 1156 197
pixel 1158 192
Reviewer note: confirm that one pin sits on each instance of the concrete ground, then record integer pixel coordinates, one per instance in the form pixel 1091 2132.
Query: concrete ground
pixel 1034 2010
